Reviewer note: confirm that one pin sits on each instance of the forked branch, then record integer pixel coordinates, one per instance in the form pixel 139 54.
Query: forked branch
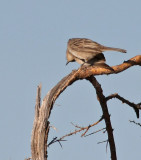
pixel 136 107
pixel 106 115
pixel 85 129
pixel 42 111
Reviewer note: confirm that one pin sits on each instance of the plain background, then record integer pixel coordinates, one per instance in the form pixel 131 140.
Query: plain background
pixel 33 41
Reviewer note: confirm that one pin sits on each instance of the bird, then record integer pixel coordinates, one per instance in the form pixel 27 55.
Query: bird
pixel 87 52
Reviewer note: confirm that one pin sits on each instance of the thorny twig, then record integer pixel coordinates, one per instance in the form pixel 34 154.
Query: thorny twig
pixel 82 128
pixel 74 132
pixel 136 107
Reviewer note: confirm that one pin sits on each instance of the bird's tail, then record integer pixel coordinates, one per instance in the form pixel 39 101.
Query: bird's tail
pixel 113 49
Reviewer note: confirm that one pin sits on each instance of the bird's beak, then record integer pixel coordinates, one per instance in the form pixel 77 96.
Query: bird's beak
pixel 67 62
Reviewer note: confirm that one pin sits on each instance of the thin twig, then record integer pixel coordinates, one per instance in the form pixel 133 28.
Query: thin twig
pixel 102 142
pixel 82 128
pixel 139 124
pixel 85 131
pixel 95 132
pixel 56 140
pixel 75 125
pixel 74 132
pixel 53 141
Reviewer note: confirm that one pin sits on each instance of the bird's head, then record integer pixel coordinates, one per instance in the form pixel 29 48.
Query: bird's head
pixel 70 57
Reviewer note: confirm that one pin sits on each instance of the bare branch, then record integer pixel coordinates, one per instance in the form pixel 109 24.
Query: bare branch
pixel 84 72
pixel 136 107
pixel 106 115
pixel 42 111
pixel 75 132
pixel 81 129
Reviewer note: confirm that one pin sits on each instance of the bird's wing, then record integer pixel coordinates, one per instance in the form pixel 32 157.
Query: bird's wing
pixel 80 46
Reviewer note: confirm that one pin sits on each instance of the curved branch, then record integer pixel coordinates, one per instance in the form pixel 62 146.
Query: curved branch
pixel 84 72
pixel 136 107
pixel 41 124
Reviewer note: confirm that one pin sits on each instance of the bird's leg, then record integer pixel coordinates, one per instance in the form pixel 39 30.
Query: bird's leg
pixel 83 62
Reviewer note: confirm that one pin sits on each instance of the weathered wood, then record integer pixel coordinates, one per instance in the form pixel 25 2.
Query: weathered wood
pixel 106 115
pixel 40 129
pixel 42 111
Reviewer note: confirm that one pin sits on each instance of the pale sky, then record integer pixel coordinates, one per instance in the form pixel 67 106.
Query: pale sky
pixel 33 40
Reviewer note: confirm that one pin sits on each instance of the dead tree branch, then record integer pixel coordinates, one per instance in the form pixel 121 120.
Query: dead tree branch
pixel 82 128
pixel 42 111
pixel 136 107
pixel 106 115
pixel 76 131
pixel 40 130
